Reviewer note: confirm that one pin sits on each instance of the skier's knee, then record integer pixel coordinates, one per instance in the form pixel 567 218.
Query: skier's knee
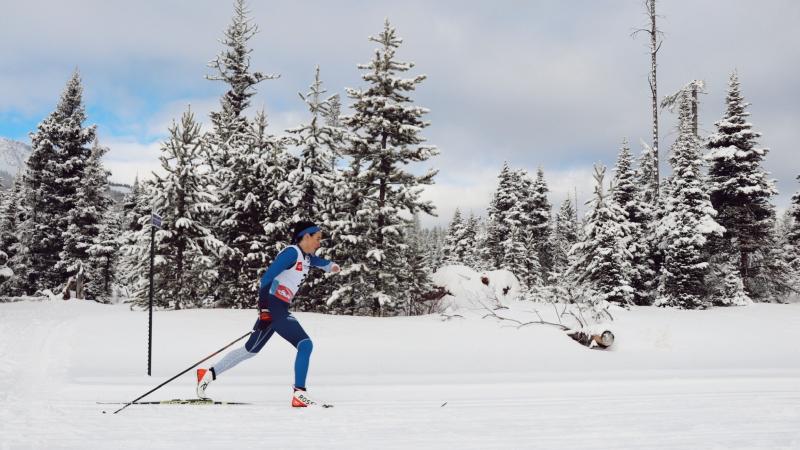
pixel 305 346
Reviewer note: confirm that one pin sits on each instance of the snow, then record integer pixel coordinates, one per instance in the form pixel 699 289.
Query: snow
pixel 718 378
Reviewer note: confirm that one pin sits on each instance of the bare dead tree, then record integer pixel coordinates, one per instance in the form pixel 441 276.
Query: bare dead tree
pixel 655 46
pixel 691 89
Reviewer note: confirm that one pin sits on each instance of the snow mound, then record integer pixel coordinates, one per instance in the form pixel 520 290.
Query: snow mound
pixel 472 290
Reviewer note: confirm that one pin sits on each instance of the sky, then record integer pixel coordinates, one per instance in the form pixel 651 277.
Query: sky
pixel 551 84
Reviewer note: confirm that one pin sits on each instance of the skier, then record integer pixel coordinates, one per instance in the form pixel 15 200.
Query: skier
pixel 278 285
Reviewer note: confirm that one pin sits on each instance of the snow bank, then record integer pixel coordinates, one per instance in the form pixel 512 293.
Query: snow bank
pixel 475 291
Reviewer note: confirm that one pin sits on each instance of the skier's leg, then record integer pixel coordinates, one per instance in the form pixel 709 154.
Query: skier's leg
pixel 287 326
pixel 262 331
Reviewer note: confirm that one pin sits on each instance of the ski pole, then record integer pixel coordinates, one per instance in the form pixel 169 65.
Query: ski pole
pixel 190 368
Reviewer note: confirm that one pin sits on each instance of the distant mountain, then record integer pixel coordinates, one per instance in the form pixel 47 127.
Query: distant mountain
pixel 13 155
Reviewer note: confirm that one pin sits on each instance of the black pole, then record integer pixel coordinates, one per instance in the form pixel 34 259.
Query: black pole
pixel 150 319
pixel 190 368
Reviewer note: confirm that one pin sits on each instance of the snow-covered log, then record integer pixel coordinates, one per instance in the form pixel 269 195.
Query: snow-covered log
pixel 601 341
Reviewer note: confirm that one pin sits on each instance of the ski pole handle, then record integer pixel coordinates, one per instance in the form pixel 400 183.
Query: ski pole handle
pixel 190 368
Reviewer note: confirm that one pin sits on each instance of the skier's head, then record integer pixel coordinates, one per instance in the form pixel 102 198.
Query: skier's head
pixel 307 235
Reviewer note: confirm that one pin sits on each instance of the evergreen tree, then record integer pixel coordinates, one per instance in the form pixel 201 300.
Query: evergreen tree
pixel 349 247
pixel 452 241
pixel 602 259
pixel 687 223
pixel 312 184
pixel 417 279
pixel 133 265
pixel 739 188
pixel 539 223
pixel 497 228
pixel 85 219
pixel 254 215
pixel 104 255
pixel 793 235
pixel 241 155
pixel 645 213
pixel 9 218
pixel 313 178
pixel 386 126
pixel 564 236
pixel 50 184
pixel 520 261
pixel 9 243
pixel 185 244
pixel 232 67
pixel 469 243
pixel 627 194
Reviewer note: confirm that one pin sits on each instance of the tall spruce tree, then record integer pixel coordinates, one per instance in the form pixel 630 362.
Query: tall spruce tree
pixel 348 245
pixel 564 236
pixel 497 227
pixel 740 190
pixel 232 67
pixel 386 126
pixel 602 259
pixel 648 256
pixel 54 172
pixel 313 178
pixel 687 222
pixel 539 219
pixel 793 235
pixel 452 240
pixel 312 184
pixel 86 217
pixel 627 194
pixel 470 242
pixel 185 245
pixel 104 256
pixel 237 159
pixel 255 214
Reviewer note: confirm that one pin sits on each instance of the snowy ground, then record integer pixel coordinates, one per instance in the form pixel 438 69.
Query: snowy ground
pixel 723 378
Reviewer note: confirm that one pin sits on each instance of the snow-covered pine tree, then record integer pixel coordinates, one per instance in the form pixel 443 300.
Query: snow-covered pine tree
pixel 312 184
pixel 240 154
pixel 354 216
pixel 648 258
pixel 133 264
pixel 497 228
pixel 312 180
pixel 627 194
pixel 538 223
pixel 793 236
pixel 104 255
pixel 520 261
pixel 687 223
pixel 54 170
pixel 740 190
pixel 469 243
pixel 185 245
pixel 602 259
pixel 232 67
pixel 455 232
pixel 563 237
pixel 86 217
pixel 416 281
pixel 9 218
pixel 386 126
pixel 254 214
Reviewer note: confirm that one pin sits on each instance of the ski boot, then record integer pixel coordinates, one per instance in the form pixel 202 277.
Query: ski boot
pixel 204 378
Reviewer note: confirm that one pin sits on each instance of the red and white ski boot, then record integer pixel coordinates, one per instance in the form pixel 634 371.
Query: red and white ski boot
pixel 300 399
pixel 204 378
